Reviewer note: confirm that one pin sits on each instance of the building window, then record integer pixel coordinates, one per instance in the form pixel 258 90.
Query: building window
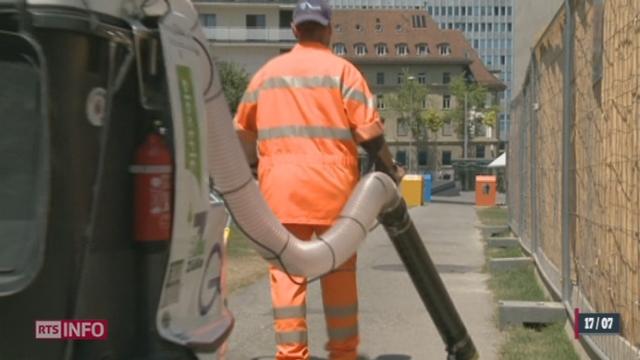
pixel 381 49
pixel 338 28
pixel 360 49
pixel 450 26
pixel 480 152
pixel 422 158
pixel 422 78
pixel 419 21
pixel 358 27
pixel 446 158
pixel 378 27
pixel 509 11
pixel 208 20
pixel 446 102
pixel 476 43
pixel 446 78
pixel 447 129
pixel 509 27
pixel 380 78
pixel 469 10
pixel 422 49
pixel 469 27
pixel 430 10
pixel 256 21
pixel 503 10
pixel 490 27
pixel 503 60
pixel 380 101
pixel 476 27
pixel 339 49
pixel 483 27
pixel 402 128
pixel 399 28
pixel 450 10
pixel 402 49
pixel 445 49
pixel 401 157
pixel 456 11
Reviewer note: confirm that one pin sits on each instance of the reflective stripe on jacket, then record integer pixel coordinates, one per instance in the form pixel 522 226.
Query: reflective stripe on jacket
pixel 308 109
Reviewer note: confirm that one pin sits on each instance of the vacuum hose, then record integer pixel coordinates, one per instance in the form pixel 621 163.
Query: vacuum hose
pixel 375 196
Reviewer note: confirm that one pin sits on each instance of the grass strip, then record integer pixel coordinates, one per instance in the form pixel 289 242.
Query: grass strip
pixel 536 343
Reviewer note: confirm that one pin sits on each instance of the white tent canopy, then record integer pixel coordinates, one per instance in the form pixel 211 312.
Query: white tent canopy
pixel 499 162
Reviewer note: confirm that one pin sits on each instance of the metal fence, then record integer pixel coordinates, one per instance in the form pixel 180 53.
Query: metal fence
pixel 574 164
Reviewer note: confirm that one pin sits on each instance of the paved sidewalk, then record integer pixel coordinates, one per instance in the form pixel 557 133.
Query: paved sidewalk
pixel 394 324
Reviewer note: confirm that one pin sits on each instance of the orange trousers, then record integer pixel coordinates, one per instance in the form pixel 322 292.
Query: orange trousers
pixel 340 300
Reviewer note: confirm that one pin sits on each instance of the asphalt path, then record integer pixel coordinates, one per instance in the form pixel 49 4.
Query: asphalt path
pixel 394 324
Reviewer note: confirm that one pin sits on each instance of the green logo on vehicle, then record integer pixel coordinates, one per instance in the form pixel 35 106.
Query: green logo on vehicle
pixel 190 123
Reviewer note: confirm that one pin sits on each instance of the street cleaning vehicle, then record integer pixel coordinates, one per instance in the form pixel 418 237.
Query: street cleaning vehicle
pixel 120 169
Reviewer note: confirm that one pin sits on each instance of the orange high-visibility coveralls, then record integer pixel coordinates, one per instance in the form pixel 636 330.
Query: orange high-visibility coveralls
pixel 308 109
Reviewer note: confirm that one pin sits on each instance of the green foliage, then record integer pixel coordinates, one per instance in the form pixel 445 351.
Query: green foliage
pixel 434 120
pixel 491 116
pixel 234 82
pixel 407 103
pixel 476 96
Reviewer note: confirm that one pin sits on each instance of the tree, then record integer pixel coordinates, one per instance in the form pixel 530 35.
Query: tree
pixel 435 121
pixel 234 81
pixel 407 102
pixel 475 95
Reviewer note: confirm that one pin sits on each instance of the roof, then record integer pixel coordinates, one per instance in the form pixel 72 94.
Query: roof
pixel 393 27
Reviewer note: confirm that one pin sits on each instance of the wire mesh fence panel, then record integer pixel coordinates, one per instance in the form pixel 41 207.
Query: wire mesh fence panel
pixel 514 165
pixel 549 55
pixel 604 169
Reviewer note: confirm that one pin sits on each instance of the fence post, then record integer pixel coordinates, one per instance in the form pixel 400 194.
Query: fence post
pixel 567 101
pixel 533 183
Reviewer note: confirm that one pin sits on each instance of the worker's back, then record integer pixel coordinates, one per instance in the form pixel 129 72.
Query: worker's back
pixel 302 105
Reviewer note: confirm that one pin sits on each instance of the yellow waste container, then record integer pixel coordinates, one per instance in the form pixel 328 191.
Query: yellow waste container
pixel 411 189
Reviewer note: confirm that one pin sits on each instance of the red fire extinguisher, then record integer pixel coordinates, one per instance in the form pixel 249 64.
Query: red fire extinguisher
pixel 153 190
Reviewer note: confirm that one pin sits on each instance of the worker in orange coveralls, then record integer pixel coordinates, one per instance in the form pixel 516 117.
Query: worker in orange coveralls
pixel 302 116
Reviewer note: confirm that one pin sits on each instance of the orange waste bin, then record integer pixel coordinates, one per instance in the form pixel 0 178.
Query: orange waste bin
pixel 486 190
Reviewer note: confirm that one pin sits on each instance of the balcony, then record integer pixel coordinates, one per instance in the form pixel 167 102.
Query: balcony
pixel 243 34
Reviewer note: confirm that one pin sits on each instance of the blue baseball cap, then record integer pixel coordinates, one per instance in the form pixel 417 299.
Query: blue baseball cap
pixel 312 10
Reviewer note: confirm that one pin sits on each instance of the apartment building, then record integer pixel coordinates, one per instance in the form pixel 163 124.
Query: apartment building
pixel 250 32
pixel 382 43
pixel 247 32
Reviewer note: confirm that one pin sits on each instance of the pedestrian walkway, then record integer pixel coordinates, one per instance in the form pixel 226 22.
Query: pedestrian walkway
pixel 394 324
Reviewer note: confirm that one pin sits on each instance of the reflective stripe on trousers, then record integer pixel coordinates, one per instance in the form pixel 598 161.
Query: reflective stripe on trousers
pixel 339 296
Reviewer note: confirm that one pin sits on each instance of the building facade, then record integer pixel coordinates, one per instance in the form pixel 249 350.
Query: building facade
pixel 489 27
pixel 247 32
pixel 378 4
pixel 383 44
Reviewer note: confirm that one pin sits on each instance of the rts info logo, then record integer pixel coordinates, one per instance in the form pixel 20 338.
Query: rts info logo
pixel 72 329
